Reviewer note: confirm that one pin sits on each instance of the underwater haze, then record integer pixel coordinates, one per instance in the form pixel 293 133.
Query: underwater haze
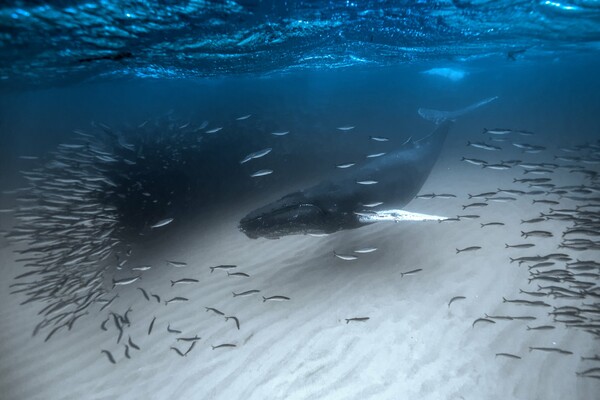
pixel 300 200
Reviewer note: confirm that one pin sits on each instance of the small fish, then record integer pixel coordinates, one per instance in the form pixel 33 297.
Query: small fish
pixel 184 281
pixel 245 275
pixel 445 196
pixel 212 269
pixel 374 204
pixel 141 268
pixel 519 246
pixel 214 130
pixel 550 349
pixel 483 320
pixel 237 322
pixel 497 131
pixel 541 327
pixel 536 234
pixel 256 154
pixel 375 155
pixel 468 216
pixel 367 182
pixel 345 257
pixel 223 345
pixel 365 250
pixel 275 298
pixel 246 293
pixel 483 146
pixel 452 300
pixel 379 138
pixel 508 355
pixel 492 224
pixel 176 300
pixel 525 302
pixel 482 195
pixel 261 172
pixel 161 223
pixel 127 352
pixel 500 199
pixel 243 117
pixel 474 161
pixel 103 324
pixel 345 128
pixel 543 201
pixel 109 355
pixel 125 281
pixel 497 167
pixel 151 325
pixel 214 310
pixel 472 248
pixel 171 330
pixel 189 339
pixel 177 264
pixel 157 297
pixel 357 319
pixel 533 220
pixel 474 205
pixel 176 350
pixel 346 165
pixel 412 272
pixel 280 133
pixel 133 345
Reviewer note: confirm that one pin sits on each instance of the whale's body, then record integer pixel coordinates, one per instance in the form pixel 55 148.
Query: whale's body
pixel 343 202
pixel 332 205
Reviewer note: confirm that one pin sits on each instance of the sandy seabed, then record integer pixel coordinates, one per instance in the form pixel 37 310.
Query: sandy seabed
pixel 414 346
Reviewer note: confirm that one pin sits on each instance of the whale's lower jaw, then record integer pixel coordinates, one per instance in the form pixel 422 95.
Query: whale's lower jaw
pixel 301 219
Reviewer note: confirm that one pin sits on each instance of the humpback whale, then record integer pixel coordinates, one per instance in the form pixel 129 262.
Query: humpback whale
pixel 338 204
pixel 353 198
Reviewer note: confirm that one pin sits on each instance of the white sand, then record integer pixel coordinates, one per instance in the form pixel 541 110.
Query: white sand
pixel 413 346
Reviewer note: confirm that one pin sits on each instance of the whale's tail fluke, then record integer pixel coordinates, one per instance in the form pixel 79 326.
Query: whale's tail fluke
pixel 438 116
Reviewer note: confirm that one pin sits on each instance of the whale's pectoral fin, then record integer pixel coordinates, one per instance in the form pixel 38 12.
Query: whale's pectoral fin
pixel 396 216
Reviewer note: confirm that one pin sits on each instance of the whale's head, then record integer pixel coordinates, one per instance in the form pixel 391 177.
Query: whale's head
pixel 291 215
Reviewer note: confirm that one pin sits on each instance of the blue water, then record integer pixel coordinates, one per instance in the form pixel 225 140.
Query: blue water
pixel 65 42
pixel 121 114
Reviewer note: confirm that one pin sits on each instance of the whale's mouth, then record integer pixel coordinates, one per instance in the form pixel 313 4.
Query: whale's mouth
pixel 290 215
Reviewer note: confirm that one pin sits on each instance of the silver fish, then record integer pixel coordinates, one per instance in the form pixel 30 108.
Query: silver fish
pixel 347 165
pixel 161 223
pixel 365 250
pixel 261 172
pixel 345 257
pixel 246 293
pixel 275 298
pixel 367 182
pixel 177 264
pixel 214 130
